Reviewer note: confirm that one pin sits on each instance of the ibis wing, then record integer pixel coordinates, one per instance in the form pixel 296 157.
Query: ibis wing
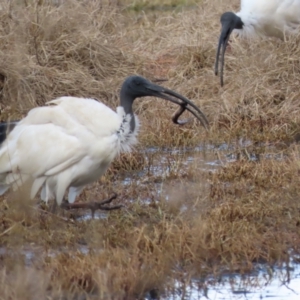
pixel 78 114
pixel 40 150
pixel 260 8
pixel 51 139
pixel 93 115
pixel 288 12
pixel 282 9
pixel 249 5
pixel 63 142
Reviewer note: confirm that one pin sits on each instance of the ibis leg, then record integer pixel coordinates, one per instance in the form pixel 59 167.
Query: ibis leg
pixel 53 207
pixel 93 206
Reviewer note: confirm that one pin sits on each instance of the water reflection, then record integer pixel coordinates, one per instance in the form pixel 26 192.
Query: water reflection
pixel 278 284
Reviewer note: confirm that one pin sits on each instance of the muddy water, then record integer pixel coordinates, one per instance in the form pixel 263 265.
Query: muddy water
pixel 265 283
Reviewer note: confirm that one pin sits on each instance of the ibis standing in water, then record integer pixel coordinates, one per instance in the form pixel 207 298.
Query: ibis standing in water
pixel 72 141
pixel 272 18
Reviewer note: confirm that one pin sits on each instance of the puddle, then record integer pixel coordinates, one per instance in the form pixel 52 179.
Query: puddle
pixel 163 162
pixel 277 284
pixel 169 164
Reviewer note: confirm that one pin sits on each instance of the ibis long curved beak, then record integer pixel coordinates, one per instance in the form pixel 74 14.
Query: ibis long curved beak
pixel 184 103
pixel 223 41
pixel 229 21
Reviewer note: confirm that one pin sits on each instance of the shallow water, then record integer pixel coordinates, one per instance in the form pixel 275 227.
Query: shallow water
pixel 278 284
pixel 162 164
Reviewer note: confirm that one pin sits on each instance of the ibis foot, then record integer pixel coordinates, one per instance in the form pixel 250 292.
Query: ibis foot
pixel 93 206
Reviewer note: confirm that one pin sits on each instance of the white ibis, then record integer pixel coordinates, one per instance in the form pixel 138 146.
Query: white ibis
pixel 272 18
pixel 71 142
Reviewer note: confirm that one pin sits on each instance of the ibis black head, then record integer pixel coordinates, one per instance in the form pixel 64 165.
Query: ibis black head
pixel 137 86
pixel 229 22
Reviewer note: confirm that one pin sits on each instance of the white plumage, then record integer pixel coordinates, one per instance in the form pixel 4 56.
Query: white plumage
pixel 272 18
pixel 72 141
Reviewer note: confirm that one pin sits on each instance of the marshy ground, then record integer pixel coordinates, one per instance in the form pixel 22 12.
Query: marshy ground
pixel 197 203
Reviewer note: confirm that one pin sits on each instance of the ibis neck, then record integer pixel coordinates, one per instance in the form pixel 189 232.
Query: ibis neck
pixel 126 103
pixel 248 21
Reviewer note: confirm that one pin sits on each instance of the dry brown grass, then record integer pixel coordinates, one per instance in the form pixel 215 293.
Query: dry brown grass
pixel 201 223
pixel 180 221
